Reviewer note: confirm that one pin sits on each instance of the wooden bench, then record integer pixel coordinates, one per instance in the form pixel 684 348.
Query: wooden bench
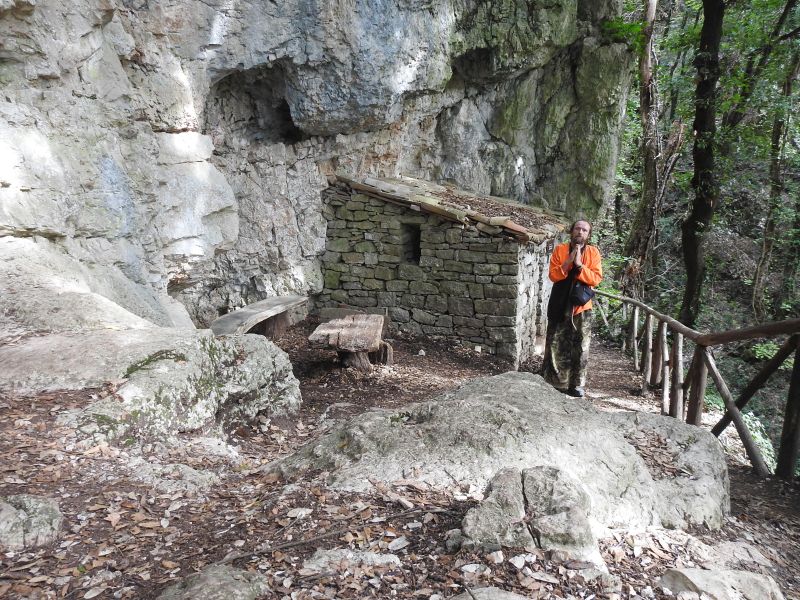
pixel 357 339
pixel 268 317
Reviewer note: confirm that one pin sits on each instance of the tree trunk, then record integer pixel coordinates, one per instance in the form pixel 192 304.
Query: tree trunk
pixel 704 181
pixel 641 233
pixel 790 436
pixel 776 189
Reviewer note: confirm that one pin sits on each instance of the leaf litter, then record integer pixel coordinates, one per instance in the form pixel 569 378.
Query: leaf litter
pixel 125 539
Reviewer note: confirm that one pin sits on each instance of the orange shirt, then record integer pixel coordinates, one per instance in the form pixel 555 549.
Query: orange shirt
pixel 591 274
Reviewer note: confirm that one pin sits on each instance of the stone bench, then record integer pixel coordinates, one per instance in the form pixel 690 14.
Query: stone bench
pixel 358 339
pixel 268 317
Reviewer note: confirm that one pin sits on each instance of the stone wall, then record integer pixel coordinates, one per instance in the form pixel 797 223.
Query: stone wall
pixel 534 292
pixel 464 285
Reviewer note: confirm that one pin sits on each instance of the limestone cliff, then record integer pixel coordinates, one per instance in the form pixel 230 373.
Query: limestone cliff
pixel 179 147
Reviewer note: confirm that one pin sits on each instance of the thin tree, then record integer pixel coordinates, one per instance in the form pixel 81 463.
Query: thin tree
pixel 658 160
pixel 704 181
pixel 776 189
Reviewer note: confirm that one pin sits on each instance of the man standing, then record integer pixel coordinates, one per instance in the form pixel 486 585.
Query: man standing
pixel 574 264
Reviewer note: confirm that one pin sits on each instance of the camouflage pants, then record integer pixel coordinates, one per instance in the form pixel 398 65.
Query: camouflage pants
pixel 566 351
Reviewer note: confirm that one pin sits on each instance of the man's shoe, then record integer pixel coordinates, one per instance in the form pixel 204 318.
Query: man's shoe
pixel 576 392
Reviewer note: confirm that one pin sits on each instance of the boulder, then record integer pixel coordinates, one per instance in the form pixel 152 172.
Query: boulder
pixel 28 522
pixel 517 421
pixel 722 584
pixel 218 582
pixel 338 559
pixel 488 593
pixel 170 382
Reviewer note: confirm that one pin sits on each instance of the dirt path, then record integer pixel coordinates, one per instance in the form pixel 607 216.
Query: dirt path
pixel 124 538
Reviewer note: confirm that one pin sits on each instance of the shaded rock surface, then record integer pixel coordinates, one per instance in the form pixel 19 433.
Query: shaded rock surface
pixel 28 521
pixel 517 421
pixel 218 582
pixel 722 584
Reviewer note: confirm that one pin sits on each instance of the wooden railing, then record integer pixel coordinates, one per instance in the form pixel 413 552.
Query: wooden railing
pixel 682 395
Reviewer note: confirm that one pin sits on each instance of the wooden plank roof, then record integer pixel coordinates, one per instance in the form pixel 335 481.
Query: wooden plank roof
pixel 489 214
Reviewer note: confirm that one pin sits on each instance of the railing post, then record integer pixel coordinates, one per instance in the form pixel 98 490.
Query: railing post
pixel 624 311
pixel 665 366
pixel 697 389
pixel 676 392
pixel 658 356
pixel 633 333
pixel 753 453
pixel 759 380
pixel 790 436
pixel 647 351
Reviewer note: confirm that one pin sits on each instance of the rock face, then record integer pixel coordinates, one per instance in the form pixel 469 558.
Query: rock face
pixel 516 421
pixel 541 507
pixel 722 584
pixel 218 582
pixel 179 148
pixel 28 522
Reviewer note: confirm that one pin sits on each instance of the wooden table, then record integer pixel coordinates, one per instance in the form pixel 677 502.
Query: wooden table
pixel 358 339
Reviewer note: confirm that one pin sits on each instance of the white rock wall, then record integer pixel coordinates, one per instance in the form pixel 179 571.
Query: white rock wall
pixel 184 144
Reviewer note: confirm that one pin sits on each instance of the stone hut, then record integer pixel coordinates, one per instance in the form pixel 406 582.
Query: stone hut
pixel 440 261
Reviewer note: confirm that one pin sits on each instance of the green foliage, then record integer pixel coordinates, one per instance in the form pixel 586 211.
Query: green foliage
pixel 625 32
pixel 713 399
pixel 766 350
pixel 761 439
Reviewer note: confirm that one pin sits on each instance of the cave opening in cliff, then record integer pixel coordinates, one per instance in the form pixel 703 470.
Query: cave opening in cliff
pixel 251 106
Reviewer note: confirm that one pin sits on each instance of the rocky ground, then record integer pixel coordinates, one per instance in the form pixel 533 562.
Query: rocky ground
pixel 134 522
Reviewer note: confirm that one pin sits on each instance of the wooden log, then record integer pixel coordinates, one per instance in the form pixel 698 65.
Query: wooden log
pixel 383 355
pixel 657 369
pixel 248 317
pixel 633 336
pixel 356 360
pixel 790 436
pixel 674 324
pixel 789 326
pixel 750 447
pixel 759 380
pixel 698 382
pixel 676 385
pixel 664 373
pixel 352 333
pixel 647 351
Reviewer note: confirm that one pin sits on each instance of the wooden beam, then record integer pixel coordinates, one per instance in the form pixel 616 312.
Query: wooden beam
pixel 759 380
pixel 697 389
pixel 789 326
pixel 674 324
pixel 790 436
pixel 750 447
pixel 676 385
pixel 647 351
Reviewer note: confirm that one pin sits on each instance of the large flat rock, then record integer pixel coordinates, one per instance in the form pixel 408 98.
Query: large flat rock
pixel 516 420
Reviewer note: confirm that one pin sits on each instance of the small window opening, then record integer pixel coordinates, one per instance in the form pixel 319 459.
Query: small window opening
pixel 410 238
